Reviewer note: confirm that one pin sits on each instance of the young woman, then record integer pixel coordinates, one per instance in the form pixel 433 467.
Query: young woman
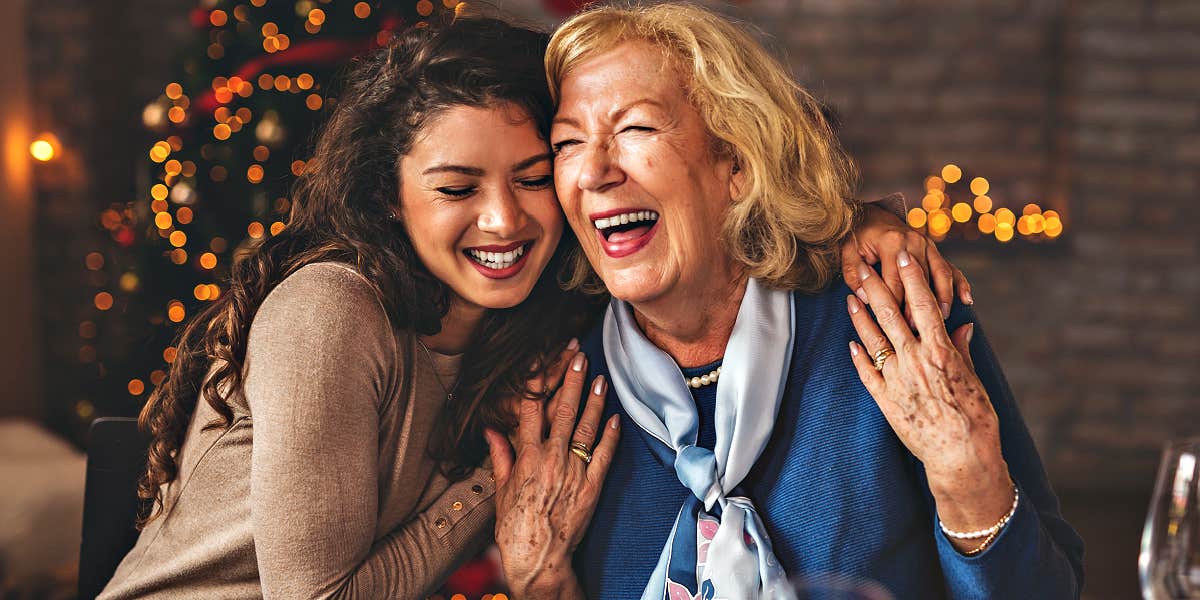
pixel 321 432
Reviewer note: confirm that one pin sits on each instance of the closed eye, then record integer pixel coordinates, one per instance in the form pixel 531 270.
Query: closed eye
pixel 643 128
pixel 559 146
pixel 457 192
pixel 537 183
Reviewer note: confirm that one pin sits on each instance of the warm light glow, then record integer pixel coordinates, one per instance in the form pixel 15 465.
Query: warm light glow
pixel 254 174
pixel 157 376
pixel 939 223
pixel 269 29
pixel 159 191
pixel 297 167
pixel 1023 227
pixel 176 312
pixel 103 301
pixel 362 10
pixel 266 82
pixel 183 215
pixel 222 131
pixel 169 354
pixel 1054 227
pixel 94 261
pixel 951 173
pixel 314 102
pixel 316 16
pixel 178 238
pixel 304 81
pixel 980 186
pixel 173 167
pixel 277 227
pixel 983 204
pixel 128 282
pixel 163 220
pixel 933 182
pixel 179 256
pixel 987 224
pixel 933 200
pixel 218 18
pixel 1037 223
pixel 1031 209
pixel 1005 216
pixel 158 206
pixel 1051 214
pixel 961 212
pixel 201 292
pixel 261 153
pixel 1004 232
pixel 214 291
pixel 255 229
pixel 424 8
pixel 917 218
pixel 208 260
pixel 136 387
pixel 173 91
pixel 282 83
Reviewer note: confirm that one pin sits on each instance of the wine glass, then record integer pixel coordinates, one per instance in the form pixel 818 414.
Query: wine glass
pixel 1169 561
pixel 838 587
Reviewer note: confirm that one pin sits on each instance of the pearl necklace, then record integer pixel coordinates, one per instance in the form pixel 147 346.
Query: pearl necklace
pixel 703 380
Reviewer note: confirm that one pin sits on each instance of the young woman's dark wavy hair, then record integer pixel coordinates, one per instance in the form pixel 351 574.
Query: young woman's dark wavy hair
pixel 340 212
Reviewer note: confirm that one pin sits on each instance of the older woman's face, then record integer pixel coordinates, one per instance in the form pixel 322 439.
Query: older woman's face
pixel 637 177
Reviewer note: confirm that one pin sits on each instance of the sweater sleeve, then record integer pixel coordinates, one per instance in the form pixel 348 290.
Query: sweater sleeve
pixel 320 360
pixel 1037 554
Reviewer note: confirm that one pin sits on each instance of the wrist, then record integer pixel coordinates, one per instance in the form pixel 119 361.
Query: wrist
pixel 549 584
pixel 975 503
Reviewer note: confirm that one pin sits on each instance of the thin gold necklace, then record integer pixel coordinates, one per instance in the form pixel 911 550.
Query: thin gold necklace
pixel 433 365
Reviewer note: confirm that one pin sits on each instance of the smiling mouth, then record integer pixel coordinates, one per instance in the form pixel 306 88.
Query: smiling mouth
pixel 497 260
pixel 626 226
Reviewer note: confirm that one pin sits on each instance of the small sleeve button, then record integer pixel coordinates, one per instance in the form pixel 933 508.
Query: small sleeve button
pixel 456 506
pixel 477 489
pixel 441 522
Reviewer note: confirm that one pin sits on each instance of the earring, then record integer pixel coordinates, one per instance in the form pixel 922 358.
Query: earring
pixel 393 217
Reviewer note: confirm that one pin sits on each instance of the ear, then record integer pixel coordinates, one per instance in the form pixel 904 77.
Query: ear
pixel 737 180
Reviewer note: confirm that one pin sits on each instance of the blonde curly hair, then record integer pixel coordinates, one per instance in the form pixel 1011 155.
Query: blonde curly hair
pixel 796 203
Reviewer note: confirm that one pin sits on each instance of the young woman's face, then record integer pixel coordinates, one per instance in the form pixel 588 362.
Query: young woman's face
pixel 477 199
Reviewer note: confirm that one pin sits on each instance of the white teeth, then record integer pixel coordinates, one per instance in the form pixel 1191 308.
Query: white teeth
pixel 496 260
pixel 625 219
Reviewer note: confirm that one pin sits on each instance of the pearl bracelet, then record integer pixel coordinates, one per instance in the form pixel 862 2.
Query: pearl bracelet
pixel 990 531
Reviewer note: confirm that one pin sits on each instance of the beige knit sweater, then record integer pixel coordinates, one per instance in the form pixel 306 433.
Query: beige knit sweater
pixel 322 486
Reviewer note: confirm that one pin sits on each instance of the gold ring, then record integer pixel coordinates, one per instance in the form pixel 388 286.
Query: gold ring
pixel 581 450
pixel 881 357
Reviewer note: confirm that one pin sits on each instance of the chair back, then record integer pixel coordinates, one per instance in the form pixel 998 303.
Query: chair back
pixel 116 458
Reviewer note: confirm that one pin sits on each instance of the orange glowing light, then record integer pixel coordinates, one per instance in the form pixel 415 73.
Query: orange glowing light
pixel 282 83
pixel 179 256
pixel 961 212
pixel 987 224
pixel 304 81
pixel 983 204
pixel 1031 209
pixel 951 173
pixel 1005 216
pixel 277 227
pixel 218 18
pixel 162 220
pixel 297 167
pixel 169 354
pixel 261 153
pixel 201 292
pixel 265 81
pixel 933 200
pixel 103 301
pixel 94 261
pixel 980 186
pixel 178 238
pixel 316 16
pixel 173 90
pixel 255 229
pixel 136 387
pixel 314 102
pixel 917 218
pixel 158 205
pixel 1023 226
pixel 208 260
pixel 254 174
pixel 269 29
pixel 159 191
pixel 45 147
pixel 933 182
pixel 176 313
pixel 183 215
pixel 221 131
pixel 1004 232
pixel 939 223
pixel 362 10
pixel 173 167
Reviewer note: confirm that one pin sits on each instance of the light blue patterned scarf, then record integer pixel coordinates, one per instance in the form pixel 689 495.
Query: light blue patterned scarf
pixel 718 547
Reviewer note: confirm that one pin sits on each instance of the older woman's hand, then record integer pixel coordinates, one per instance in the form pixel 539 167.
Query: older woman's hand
pixel 546 496
pixel 880 238
pixel 930 395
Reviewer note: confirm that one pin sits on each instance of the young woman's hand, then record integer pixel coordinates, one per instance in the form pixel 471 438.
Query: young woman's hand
pixel 546 495
pixel 879 239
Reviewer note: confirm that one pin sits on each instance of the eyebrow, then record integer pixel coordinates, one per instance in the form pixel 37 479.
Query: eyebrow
pixel 477 172
pixel 616 114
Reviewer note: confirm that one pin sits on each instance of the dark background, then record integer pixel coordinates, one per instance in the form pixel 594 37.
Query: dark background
pixel 1088 107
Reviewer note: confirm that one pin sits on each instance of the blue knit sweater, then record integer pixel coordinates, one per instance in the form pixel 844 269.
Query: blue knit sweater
pixel 837 490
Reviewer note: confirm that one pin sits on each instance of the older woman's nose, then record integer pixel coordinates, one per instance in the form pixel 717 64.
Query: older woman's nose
pixel 502 215
pixel 599 168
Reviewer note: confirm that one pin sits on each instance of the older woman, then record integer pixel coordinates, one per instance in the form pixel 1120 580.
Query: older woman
pixel 708 195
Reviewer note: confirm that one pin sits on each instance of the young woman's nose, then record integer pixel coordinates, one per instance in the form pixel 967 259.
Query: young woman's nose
pixel 502 215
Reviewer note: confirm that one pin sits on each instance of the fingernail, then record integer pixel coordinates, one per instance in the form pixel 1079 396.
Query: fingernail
pixel 852 302
pixel 863 272
pixel 970 332
pixel 968 298
pixel 862 295
pixel 573 344
pixel 945 310
pixel 598 387
pixel 615 422
pixel 903 258
pixel 853 349
pixel 577 364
